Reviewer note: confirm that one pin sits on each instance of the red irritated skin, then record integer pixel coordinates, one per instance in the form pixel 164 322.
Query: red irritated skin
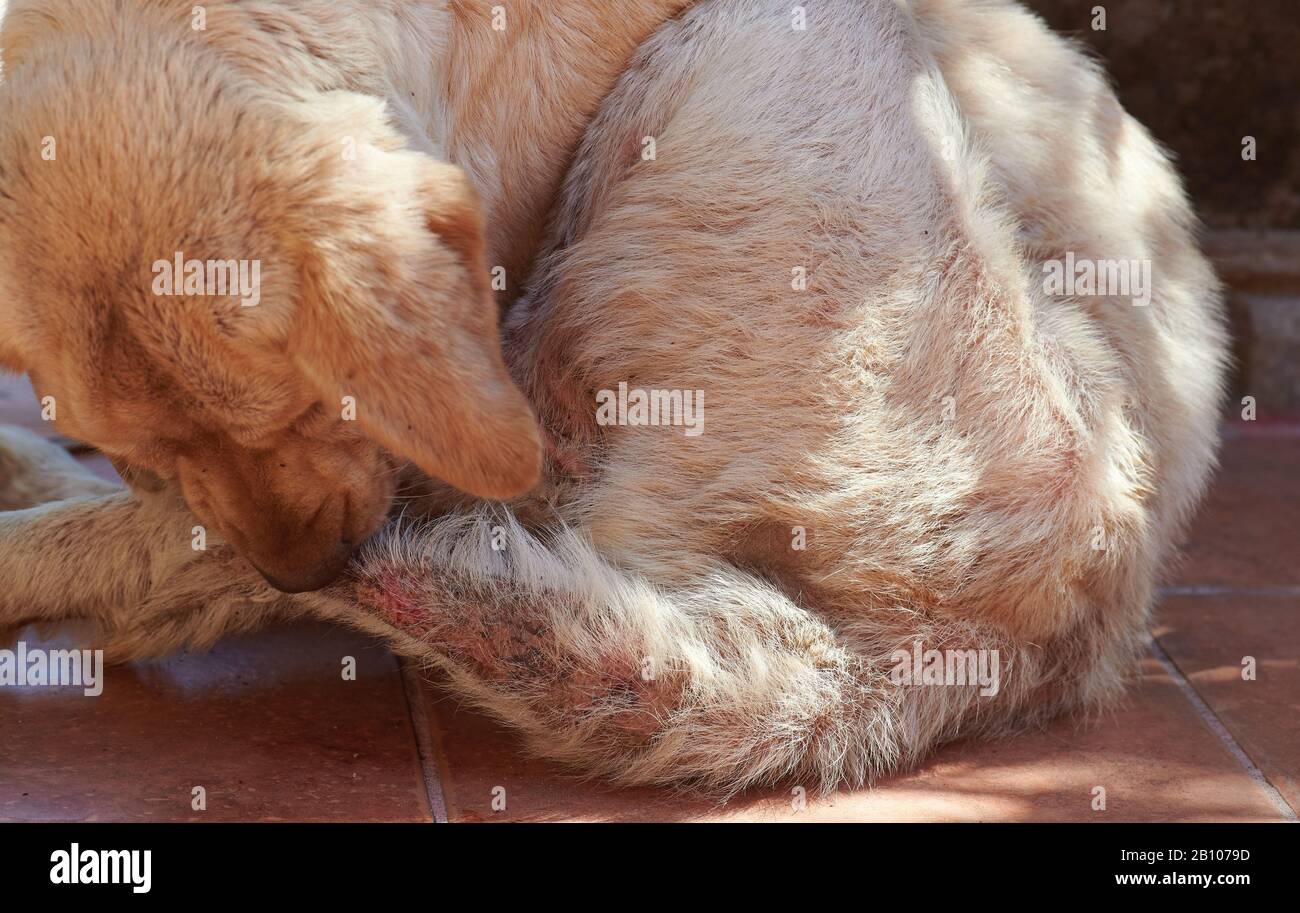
pixel 394 594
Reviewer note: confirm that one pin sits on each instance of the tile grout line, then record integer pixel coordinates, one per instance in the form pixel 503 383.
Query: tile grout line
pixel 413 689
pixel 1210 719
pixel 1282 432
pixel 1216 590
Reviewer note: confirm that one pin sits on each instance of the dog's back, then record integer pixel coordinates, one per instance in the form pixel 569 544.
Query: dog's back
pixel 842 241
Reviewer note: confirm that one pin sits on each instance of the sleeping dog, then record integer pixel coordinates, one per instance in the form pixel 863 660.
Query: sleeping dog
pixel 716 392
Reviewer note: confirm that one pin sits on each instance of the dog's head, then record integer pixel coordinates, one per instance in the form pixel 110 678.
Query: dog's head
pixel 267 300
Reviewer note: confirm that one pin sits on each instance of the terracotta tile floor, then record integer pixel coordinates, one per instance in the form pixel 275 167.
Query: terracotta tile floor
pixel 270 729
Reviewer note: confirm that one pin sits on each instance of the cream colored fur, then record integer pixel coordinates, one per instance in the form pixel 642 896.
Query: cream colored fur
pixel 954 443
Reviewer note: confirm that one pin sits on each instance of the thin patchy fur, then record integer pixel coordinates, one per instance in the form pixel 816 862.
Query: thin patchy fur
pixel 952 440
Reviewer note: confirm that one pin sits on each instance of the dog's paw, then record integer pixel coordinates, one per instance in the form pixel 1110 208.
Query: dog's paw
pixel 34 471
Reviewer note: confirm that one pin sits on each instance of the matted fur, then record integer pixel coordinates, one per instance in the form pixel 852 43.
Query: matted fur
pixel 953 442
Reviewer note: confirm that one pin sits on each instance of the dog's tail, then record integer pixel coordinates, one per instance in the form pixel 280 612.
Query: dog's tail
pixel 719 685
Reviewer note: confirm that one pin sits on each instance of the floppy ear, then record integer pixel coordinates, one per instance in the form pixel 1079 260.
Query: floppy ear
pixel 9 360
pixel 8 351
pixel 8 356
pixel 398 314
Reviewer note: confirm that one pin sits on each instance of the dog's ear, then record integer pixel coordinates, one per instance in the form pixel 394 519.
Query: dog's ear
pixel 9 360
pixel 398 316
pixel 8 353
pixel 8 357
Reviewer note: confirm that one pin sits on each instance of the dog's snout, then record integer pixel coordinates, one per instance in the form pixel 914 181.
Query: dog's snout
pixel 296 512
pixel 305 576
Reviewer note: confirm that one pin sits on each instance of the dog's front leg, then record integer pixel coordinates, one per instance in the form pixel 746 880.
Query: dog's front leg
pixel 35 471
pixel 81 557
pixel 139 566
pixel 71 544
pixel 139 569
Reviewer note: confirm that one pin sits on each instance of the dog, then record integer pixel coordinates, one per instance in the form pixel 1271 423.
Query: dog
pixel 696 386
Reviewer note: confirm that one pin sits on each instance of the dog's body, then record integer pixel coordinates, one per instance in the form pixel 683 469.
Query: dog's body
pixel 839 240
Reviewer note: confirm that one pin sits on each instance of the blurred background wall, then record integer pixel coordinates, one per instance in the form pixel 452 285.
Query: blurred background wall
pixel 1203 75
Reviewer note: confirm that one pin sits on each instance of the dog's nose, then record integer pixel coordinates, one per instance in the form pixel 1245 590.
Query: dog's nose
pixel 315 576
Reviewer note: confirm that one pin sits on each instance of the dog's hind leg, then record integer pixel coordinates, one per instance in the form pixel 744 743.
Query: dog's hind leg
pixel 717 684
